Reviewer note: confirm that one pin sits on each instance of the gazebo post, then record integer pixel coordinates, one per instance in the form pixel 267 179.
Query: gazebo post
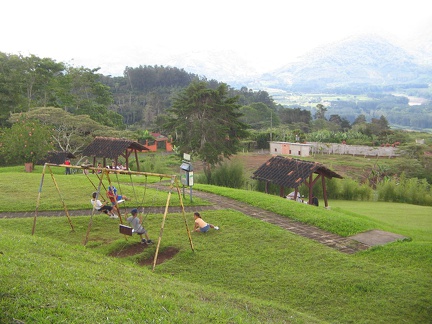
pixel 324 191
pixel 310 186
pixel 126 156
pixel 137 160
pixel 281 191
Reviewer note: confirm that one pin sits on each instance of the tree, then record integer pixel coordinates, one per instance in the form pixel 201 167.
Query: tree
pixel 320 112
pixel 80 92
pixel 294 115
pixel 12 98
pixel 26 141
pixel 205 123
pixel 258 116
pixel 69 132
pixel 38 76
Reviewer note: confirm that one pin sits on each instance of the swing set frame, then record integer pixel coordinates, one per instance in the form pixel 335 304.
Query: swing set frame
pixel 105 172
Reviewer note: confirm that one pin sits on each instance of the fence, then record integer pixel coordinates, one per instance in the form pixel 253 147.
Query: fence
pixel 332 148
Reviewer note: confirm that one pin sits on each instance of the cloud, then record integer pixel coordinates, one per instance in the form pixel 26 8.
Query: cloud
pixel 267 33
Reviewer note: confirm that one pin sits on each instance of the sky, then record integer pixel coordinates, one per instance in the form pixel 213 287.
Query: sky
pixel 268 34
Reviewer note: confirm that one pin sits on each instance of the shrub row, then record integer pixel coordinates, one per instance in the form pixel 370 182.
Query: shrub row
pixel 405 190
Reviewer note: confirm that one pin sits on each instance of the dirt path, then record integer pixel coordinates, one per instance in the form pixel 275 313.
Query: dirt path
pixel 343 244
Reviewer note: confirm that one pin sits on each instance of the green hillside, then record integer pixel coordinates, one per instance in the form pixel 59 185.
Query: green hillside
pixel 249 271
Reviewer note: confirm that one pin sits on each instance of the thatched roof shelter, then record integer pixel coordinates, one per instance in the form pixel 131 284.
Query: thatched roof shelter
pixel 56 157
pixel 113 148
pixel 291 173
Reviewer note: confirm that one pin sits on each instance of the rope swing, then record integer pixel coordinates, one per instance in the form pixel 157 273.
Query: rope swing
pixel 174 184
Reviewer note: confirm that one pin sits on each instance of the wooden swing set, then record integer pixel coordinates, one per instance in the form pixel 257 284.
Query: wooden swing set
pixel 105 172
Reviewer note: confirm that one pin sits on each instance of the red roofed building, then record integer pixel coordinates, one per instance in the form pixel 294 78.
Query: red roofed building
pixel 160 142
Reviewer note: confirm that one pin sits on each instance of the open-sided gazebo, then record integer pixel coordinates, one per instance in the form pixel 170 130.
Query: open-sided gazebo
pixel 291 173
pixel 56 157
pixel 113 148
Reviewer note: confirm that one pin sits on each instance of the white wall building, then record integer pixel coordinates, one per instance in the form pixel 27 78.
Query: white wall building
pixel 287 148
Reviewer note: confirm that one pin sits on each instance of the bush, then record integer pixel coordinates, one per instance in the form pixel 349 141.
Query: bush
pixel 405 190
pixel 229 175
pixel 152 163
pixel 347 189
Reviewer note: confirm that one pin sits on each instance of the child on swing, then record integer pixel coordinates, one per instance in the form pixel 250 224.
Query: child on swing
pixel 113 196
pixel 98 205
pixel 201 225
pixel 136 224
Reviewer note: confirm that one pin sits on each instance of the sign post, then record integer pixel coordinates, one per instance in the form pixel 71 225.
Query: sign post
pixel 186 174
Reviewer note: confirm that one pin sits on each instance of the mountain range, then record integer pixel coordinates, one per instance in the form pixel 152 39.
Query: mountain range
pixel 366 60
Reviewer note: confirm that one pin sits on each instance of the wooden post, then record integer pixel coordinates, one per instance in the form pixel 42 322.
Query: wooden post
pixel 281 191
pixel 161 230
pixel 324 191
pixel 311 184
pixel 137 160
pixel 184 214
pixel 61 198
pixel 38 199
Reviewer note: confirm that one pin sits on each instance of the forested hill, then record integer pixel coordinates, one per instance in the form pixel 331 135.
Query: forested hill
pixel 144 93
pixel 363 77
pixel 139 98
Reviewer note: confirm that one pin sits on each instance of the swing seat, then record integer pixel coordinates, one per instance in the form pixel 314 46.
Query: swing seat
pixel 126 230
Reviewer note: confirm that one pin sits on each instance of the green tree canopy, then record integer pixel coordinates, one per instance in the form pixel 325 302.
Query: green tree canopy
pixel 258 115
pixel 69 132
pixel 26 141
pixel 320 111
pixel 205 122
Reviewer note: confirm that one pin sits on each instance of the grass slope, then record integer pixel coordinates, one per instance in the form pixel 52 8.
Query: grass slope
pixel 247 272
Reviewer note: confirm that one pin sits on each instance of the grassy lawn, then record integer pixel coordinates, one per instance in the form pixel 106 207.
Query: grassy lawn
pixel 76 190
pixel 411 220
pixel 247 272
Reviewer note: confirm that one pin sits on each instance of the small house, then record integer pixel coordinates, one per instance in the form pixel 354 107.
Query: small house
pixel 287 148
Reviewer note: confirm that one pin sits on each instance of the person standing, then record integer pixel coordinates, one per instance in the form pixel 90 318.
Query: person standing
pixel 68 170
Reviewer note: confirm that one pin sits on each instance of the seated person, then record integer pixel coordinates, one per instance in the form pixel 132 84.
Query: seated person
pixel 113 196
pixel 137 226
pixel 201 225
pixel 98 205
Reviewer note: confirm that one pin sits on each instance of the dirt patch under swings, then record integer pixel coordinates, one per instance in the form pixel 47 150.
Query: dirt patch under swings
pixel 163 255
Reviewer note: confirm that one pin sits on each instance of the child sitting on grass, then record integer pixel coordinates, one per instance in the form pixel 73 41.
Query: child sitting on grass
pixel 136 224
pixel 201 225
